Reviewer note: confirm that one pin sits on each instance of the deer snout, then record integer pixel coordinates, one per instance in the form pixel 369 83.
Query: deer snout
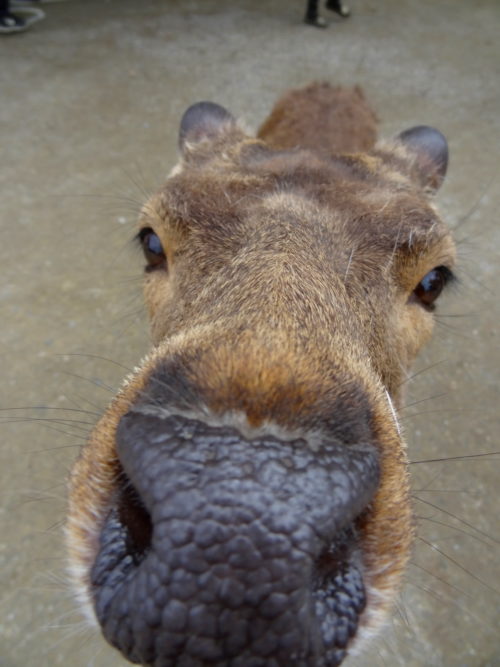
pixel 223 549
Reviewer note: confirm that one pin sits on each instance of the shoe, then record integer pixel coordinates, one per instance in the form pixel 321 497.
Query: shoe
pixel 21 20
pixel 316 21
pixel 338 7
pixel 11 23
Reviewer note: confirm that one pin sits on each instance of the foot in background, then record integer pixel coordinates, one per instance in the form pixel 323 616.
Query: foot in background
pixel 23 19
pixel 339 7
pixel 317 21
pixel 312 16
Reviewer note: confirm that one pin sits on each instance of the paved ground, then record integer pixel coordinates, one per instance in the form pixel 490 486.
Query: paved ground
pixel 89 108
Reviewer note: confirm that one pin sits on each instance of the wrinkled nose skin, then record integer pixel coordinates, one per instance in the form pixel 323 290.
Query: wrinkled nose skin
pixel 223 550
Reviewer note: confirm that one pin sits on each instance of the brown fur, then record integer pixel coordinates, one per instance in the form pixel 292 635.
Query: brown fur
pixel 323 118
pixel 288 292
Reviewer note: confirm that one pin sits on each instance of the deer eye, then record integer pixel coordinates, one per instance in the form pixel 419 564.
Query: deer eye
pixel 152 249
pixel 431 286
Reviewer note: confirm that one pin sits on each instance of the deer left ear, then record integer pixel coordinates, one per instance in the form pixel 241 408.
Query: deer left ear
pixel 203 120
pixel 430 150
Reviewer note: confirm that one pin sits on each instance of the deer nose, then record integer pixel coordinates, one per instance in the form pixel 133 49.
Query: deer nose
pixel 223 547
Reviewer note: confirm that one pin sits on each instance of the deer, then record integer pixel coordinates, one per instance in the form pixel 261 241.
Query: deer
pixel 244 500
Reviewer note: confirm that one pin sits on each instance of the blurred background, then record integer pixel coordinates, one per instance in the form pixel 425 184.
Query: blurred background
pixel 90 102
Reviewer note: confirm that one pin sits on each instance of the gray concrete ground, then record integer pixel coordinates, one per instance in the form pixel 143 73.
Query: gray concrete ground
pixel 89 107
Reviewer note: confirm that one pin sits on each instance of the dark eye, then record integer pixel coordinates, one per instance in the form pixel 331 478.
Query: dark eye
pixel 431 286
pixel 153 249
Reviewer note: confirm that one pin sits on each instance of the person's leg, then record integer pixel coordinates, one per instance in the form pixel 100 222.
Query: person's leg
pixel 312 17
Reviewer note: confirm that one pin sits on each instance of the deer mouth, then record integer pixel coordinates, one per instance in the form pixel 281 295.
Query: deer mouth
pixel 220 550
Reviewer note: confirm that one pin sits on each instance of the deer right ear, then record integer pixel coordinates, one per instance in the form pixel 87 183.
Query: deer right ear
pixel 203 120
pixel 430 149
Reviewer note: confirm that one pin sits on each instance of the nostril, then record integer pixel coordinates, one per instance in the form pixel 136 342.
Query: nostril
pixel 136 519
pixel 334 555
pixel 125 541
pixel 338 588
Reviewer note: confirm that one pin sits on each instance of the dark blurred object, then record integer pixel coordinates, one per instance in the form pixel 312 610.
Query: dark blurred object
pixel 312 16
pixel 21 20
